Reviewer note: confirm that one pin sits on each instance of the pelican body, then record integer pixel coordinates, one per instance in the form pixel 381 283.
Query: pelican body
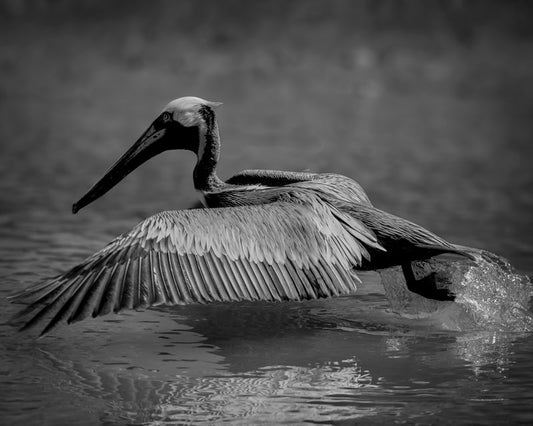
pixel 265 235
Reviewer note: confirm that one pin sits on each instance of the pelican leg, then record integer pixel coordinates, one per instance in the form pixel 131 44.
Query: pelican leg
pixel 427 286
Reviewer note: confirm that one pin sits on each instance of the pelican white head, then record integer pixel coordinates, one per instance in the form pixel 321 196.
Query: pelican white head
pixel 186 110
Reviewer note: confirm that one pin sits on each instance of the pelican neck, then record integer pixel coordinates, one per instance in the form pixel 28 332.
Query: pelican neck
pixel 204 175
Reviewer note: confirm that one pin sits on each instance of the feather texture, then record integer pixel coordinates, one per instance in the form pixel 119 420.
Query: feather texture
pixel 291 249
pixel 340 187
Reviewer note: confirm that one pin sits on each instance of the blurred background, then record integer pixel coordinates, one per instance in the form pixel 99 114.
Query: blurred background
pixel 428 104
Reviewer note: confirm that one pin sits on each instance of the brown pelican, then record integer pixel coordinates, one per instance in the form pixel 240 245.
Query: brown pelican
pixel 267 235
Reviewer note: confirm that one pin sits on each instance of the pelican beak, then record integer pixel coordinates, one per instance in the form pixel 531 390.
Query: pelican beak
pixel 159 137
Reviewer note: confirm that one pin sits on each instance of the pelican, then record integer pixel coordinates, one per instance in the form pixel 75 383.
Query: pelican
pixel 265 235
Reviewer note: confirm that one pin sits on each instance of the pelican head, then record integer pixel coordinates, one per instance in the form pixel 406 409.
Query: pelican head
pixel 189 111
pixel 179 126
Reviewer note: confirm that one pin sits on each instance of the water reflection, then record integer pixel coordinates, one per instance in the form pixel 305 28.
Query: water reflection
pixel 264 362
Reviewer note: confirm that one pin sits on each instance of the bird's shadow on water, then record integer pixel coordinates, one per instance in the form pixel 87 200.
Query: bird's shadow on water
pixel 209 362
pixel 252 335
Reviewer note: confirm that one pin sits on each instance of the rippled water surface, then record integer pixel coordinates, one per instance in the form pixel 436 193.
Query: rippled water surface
pixel 442 139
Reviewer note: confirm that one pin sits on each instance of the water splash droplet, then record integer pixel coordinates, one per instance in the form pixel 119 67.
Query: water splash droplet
pixel 495 295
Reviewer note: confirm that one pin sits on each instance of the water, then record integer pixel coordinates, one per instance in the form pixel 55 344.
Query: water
pixel 442 139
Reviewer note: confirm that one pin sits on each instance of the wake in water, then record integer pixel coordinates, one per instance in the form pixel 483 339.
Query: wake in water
pixel 490 294
pixel 495 295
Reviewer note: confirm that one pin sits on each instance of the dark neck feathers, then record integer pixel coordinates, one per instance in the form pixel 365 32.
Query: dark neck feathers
pixel 205 177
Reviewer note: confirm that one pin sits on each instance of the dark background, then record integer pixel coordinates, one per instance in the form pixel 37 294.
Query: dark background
pixel 428 104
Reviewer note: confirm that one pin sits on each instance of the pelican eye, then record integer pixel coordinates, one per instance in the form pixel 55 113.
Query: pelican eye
pixel 166 117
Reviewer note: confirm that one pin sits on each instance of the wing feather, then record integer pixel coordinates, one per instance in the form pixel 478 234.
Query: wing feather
pixel 122 288
pixel 190 284
pixel 290 289
pixel 195 278
pixel 298 247
pixel 146 285
pixel 261 274
pixel 169 279
pixel 98 298
pixel 91 294
pixel 235 277
pixel 64 310
pixel 39 290
pixel 63 313
pixel 217 279
pixel 160 278
pixel 128 290
pixel 228 283
pixel 258 285
pixel 310 292
pixel 207 278
pixel 178 273
pixel 198 268
pixel 112 290
pixel 158 292
pixel 240 277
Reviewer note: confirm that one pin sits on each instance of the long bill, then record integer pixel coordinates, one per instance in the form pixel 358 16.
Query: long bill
pixel 153 141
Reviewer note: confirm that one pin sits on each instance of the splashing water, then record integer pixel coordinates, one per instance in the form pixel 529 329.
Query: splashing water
pixel 495 296
pixel 490 294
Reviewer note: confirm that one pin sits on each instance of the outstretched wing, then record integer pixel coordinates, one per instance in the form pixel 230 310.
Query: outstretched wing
pixel 293 249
